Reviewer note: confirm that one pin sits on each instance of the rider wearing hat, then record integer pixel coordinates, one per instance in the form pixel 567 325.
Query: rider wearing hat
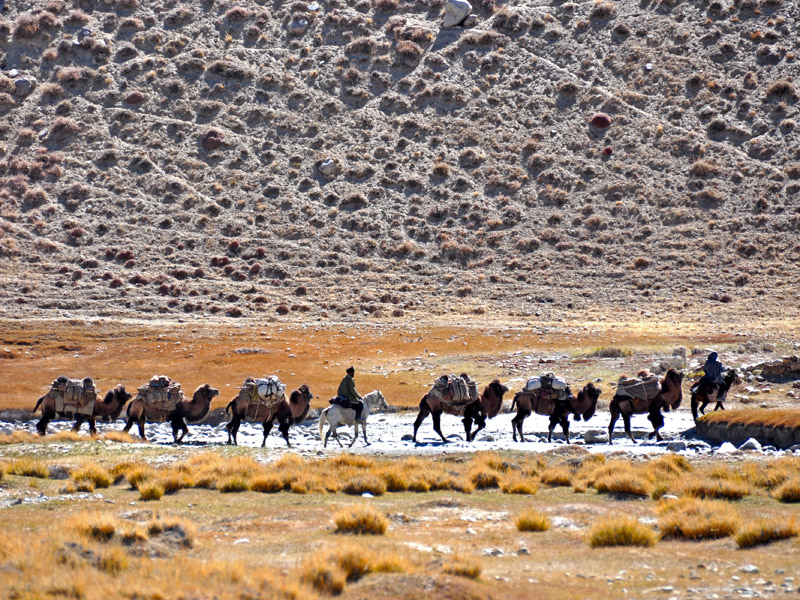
pixel 347 389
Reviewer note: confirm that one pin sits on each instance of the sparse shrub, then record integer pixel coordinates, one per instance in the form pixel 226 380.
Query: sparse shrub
pixel 765 531
pixel 621 531
pixel 697 519
pixel 463 566
pixel 360 520
pixel 532 520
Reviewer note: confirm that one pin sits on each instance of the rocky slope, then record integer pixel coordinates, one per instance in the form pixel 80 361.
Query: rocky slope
pixel 250 158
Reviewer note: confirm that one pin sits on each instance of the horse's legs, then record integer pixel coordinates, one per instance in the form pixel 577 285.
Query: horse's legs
pixel 614 416
pixel 424 411
pixel 437 425
pixel 626 419
pixel 267 429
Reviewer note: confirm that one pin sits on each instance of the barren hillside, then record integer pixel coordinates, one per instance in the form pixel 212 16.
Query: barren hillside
pixel 334 158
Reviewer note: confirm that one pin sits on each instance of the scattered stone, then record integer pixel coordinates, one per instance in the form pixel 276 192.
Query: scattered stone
pixel 749 569
pixel 298 26
pixel 327 167
pixel 595 436
pixel 455 12
pixel 751 444
pixel 601 120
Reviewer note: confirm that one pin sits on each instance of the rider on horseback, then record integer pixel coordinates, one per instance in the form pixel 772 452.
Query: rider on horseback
pixel 348 394
pixel 713 371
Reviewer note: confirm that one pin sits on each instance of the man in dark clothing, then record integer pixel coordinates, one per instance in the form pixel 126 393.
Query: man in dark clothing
pixel 347 389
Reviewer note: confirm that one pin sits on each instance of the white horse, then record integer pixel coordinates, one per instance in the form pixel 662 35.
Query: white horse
pixel 336 416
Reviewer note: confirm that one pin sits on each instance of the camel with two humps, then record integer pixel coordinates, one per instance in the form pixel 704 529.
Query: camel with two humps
pixel 487 406
pixel 109 408
pixel 336 416
pixel 583 406
pixel 288 411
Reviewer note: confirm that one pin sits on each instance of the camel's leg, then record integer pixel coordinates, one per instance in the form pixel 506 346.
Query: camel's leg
pixel 47 416
pixel 516 425
pixel 437 425
pixel 267 429
pixel 614 416
pixel 564 420
pixel 79 419
pixel 626 419
pixel 424 411
pixel 283 426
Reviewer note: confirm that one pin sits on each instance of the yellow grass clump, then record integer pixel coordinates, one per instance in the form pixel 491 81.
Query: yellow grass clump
pixel 557 476
pixel 360 519
pixel 519 485
pixel 765 531
pixel 323 576
pixel 789 491
pixel 463 566
pixel 28 467
pixel 234 483
pixel 621 531
pixel 150 490
pixel 532 520
pixel 695 519
pixel 366 483
pixel 94 473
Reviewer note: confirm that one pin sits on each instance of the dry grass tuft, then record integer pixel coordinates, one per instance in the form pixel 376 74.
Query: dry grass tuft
pixel 621 531
pixel 365 483
pixel 765 531
pixel 789 491
pixel 697 519
pixel 323 577
pixel 28 467
pixel 532 520
pixel 463 566
pixel 360 519
pixel 94 473
pixel 150 490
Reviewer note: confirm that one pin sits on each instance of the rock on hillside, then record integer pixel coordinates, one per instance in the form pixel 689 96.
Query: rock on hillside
pixel 248 158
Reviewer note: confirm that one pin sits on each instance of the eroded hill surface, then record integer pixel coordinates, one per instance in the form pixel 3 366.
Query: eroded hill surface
pixel 251 158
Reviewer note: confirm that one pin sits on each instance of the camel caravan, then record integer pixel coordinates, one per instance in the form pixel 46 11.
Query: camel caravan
pixel 264 400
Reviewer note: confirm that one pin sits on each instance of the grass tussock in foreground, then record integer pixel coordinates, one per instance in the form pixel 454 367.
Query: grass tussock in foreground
pixel 360 520
pixel 621 531
pixel 766 531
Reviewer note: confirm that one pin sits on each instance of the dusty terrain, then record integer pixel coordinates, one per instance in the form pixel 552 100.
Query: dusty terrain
pixel 172 159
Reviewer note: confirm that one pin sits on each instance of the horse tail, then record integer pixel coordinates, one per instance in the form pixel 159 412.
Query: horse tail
pixel 323 418
pixel 38 403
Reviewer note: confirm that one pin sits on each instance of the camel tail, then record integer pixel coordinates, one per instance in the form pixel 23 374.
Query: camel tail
pixel 38 404
pixel 323 418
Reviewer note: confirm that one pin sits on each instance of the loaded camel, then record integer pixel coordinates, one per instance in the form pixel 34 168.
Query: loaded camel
pixel 109 408
pixel 193 410
pixel 703 393
pixel 583 405
pixel 488 405
pixel 287 412
pixel 336 416
pixel 668 398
